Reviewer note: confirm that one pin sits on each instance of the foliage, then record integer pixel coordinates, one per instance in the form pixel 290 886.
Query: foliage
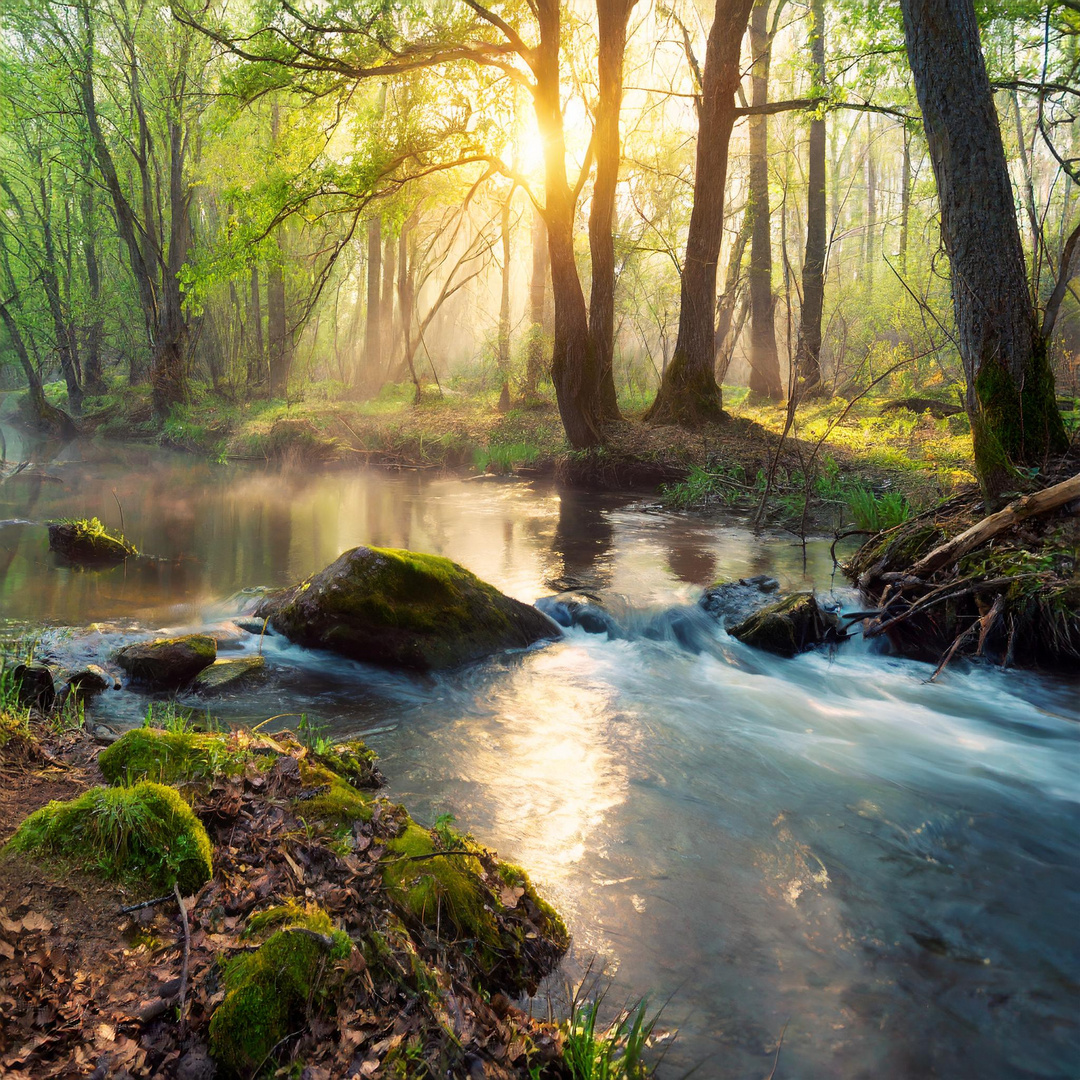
pixel 613 1053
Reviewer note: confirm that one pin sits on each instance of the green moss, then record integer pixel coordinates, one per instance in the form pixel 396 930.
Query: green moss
pixel 336 806
pixel 145 832
pixel 172 757
pixel 87 540
pixel 786 627
pixel 551 922
pixel 268 992
pixel 353 762
pixel 14 726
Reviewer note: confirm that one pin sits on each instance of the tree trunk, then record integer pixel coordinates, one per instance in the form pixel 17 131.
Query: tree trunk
pixel 688 392
pixel 808 348
pixel 764 356
pixel 534 353
pixel 373 352
pixel 1010 386
pixel 93 378
pixel 870 246
pixel 612 17
pixel 905 203
pixel 386 314
pixel 47 417
pixel 257 354
pixel 725 309
pixel 503 357
pixel 574 364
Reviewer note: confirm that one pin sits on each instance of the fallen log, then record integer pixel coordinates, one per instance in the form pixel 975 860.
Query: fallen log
pixel 1041 502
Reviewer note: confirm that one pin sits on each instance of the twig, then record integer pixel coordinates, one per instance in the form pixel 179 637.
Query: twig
pixel 145 904
pixel 783 1031
pixel 187 948
pixel 123 531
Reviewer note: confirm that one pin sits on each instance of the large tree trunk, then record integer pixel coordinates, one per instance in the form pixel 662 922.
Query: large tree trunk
pixel 534 353
pixel 808 348
pixel 1010 386
pixel 612 17
pixel 689 393
pixel 764 356
pixel 574 364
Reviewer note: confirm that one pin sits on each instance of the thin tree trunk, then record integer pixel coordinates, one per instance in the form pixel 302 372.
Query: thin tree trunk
pixel 612 18
pixel 870 248
pixel 905 203
pixel 47 417
pixel 764 356
pixel 93 378
pixel 689 393
pixel 1010 385
pixel 373 350
pixel 503 358
pixel 534 354
pixel 808 348
pixel 257 353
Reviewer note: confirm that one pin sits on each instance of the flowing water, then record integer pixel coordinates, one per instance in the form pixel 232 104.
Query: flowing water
pixel 886 871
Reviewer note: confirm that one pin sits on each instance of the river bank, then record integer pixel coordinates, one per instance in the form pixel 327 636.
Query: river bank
pixel 399 942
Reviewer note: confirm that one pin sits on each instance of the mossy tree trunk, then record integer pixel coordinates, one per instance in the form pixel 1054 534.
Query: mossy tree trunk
pixel 689 393
pixel 1010 386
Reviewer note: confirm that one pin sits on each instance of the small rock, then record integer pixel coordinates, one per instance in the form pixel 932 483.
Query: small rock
pixel 229 674
pixel 734 601
pixel 91 679
pixel 35 686
pixel 253 626
pixel 88 542
pixel 569 611
pixel 196 1064
pixel 169 662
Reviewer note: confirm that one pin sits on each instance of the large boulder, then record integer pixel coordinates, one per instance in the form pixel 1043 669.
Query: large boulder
pixel 168 663
pixel 403 609
pixel 790 626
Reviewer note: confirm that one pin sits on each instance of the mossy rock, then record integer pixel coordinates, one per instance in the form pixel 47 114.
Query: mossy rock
pixel 268 992
pixel 789 627
pixel 353 762
pixel 513 937
pixel 232 674
pixel 168 663
pixel 403 609
pixel 172 757
pixel 90 680
pixel 144 833
pixel 88 541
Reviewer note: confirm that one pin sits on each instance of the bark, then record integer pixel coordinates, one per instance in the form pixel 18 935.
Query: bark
pixel 373 351
pixel 257 354
pixel 534 355
pixel 93 378
pixel 503 357
pixel 905 203
pixel 574 365
pixel 386 315
pixel 612 18
pixel 870 245
pixel 725 309
pixel 1010 386
pixel 808 347
pixel 688 392
pixel 764 356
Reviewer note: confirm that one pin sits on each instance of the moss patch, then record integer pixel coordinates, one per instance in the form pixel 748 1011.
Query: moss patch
pixel 789 626
pixel 88 541
pixel 268 992
pixel 145 832
pixel 173 757
pixel 328 800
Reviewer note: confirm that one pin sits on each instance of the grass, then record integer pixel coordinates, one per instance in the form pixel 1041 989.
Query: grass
pixel 616 1052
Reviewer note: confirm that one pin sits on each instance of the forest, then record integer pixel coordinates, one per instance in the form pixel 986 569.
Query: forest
pixel 650 429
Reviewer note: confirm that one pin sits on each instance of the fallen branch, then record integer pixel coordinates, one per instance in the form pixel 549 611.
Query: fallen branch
pixel 187 949
pixel 1042 502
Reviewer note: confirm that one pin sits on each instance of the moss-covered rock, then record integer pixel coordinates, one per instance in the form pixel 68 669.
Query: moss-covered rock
pixel 88 541
pixel 168 663
pixel 268 992
pixel 353 762
pixel 173 757
pixel 491 907
pixel 790 626
pixel 144 833
pixel 401 608
pixel 232 674
pixel 328 800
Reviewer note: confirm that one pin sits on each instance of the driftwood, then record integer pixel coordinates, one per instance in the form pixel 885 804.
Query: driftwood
pixel 1042 502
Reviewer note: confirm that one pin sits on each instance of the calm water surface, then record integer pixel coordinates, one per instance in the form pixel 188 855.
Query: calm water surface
pixel 890 868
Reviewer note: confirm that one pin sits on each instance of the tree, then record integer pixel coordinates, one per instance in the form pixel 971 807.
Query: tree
pixel 1010 386
pixel 688 392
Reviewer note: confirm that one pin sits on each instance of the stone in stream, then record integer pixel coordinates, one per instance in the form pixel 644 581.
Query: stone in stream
pixel 88 542
pixel 229 674
pixel 91 679
pixel 790 626
pixel 403 609
pixel 168 663
pixel 734 601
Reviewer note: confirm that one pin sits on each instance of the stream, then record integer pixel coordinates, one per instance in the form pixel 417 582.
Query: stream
pixel 885 870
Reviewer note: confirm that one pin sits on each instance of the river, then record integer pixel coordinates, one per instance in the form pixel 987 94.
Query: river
pixel 885 870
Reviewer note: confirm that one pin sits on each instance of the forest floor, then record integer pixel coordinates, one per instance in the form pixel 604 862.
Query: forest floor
pixel 90 988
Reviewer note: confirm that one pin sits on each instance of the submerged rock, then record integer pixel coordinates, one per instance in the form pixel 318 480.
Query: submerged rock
pixel 89 680
pixel 570 611
pixel 229 674
pixel 169 662
pixel 88 541
pixel 790 626
pixel 400 608
pixel 735 601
